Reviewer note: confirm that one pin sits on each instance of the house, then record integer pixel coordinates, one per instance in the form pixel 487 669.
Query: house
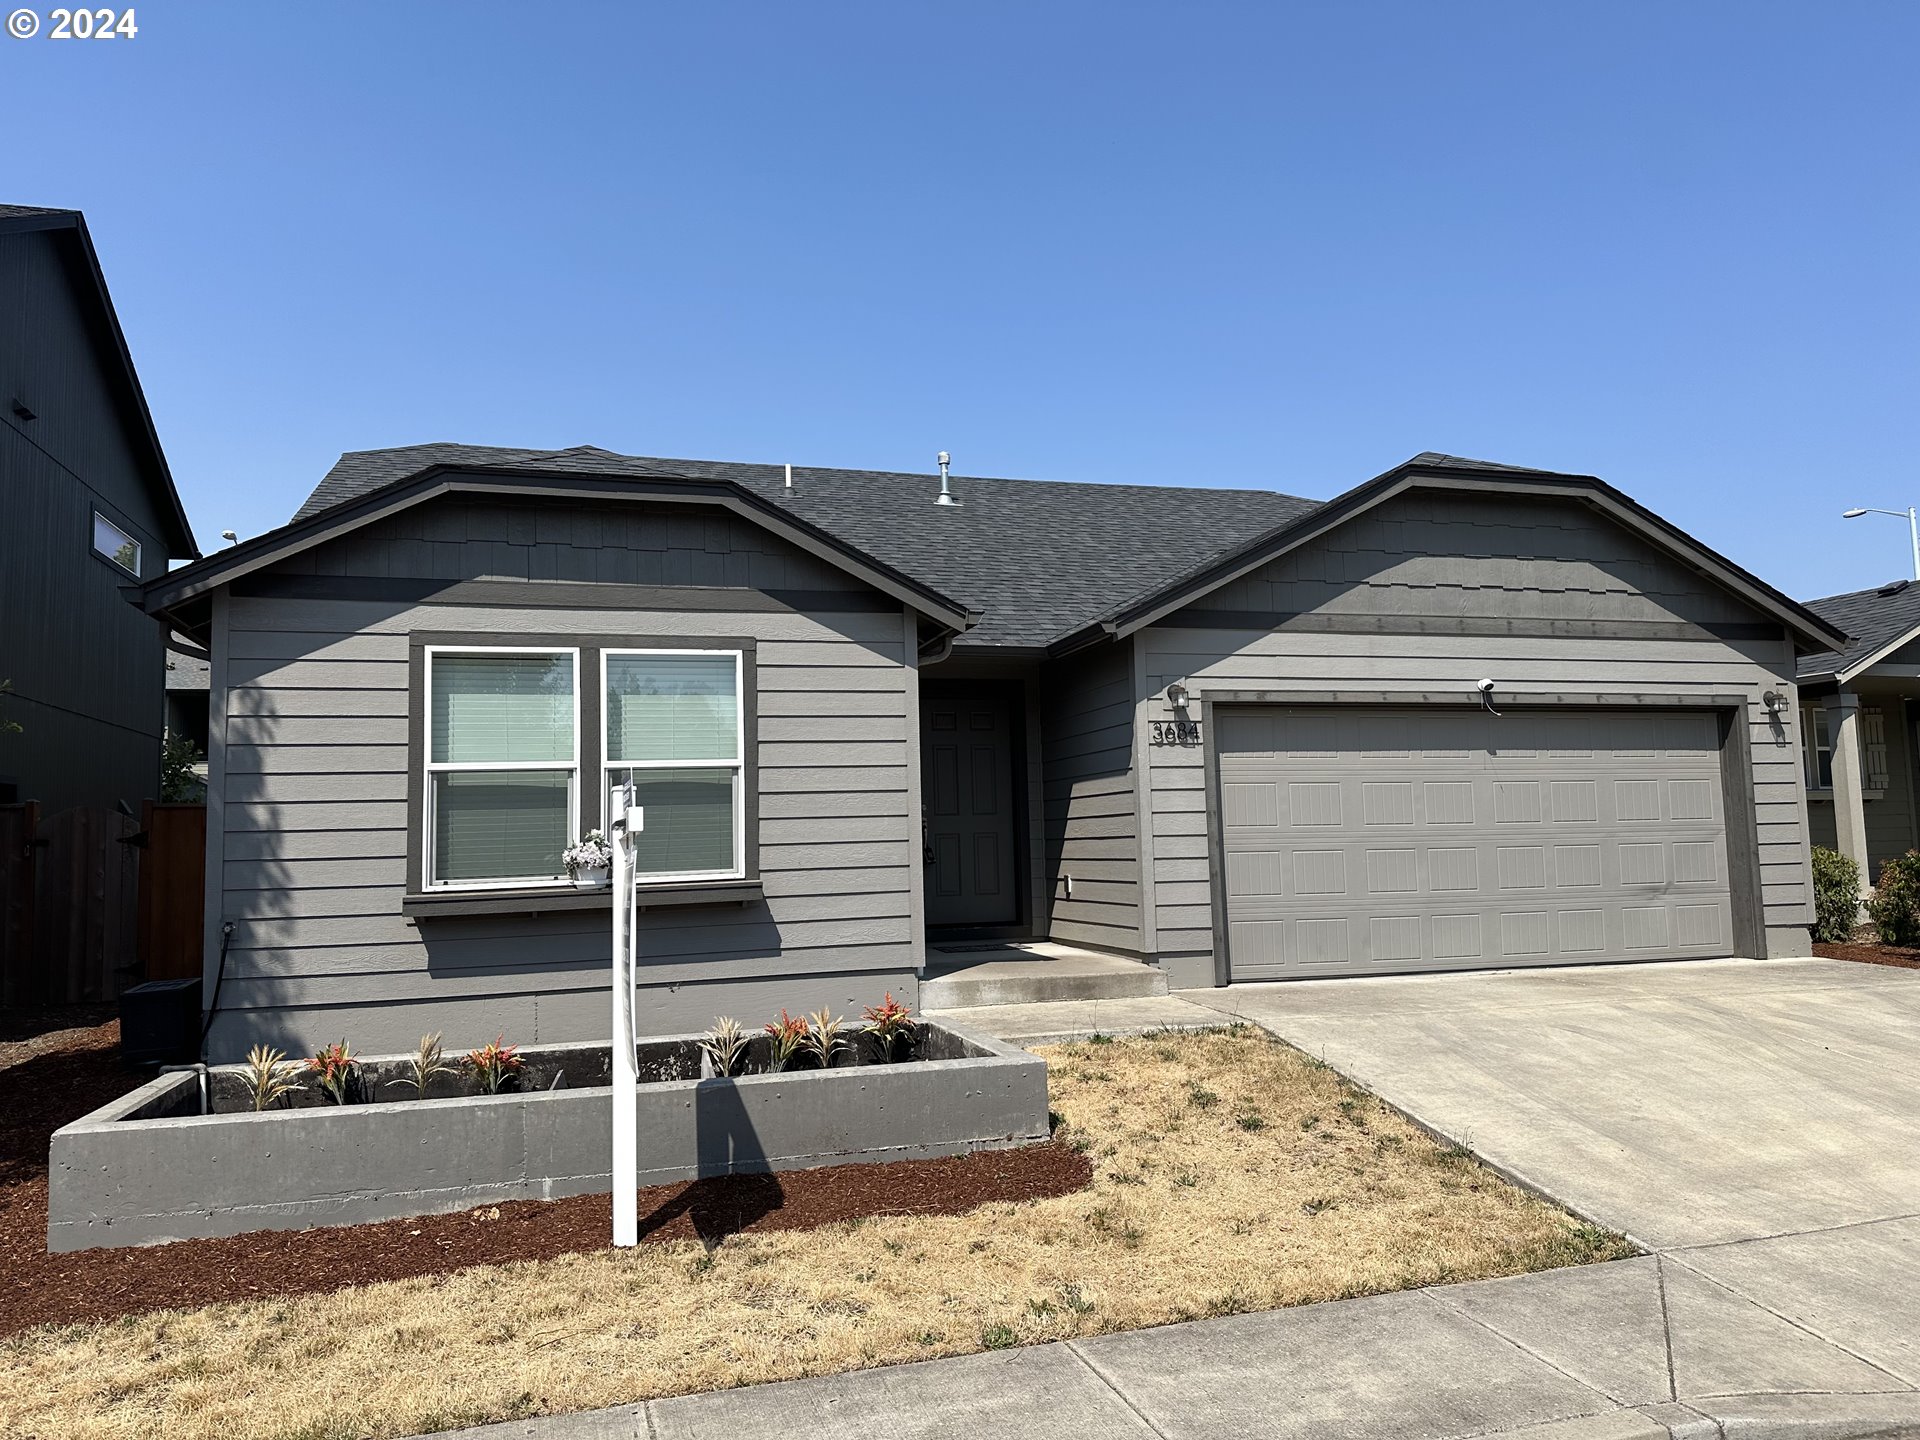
pixel 1857 714
pixel 90 510
pixel 1464 715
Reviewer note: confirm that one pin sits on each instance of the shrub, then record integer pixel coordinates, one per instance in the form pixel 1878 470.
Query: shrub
pixel 1895 906
pixel 1836 895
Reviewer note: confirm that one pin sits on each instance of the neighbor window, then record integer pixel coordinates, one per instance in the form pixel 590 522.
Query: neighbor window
pixel 502 783
pixel 116 545
pixel 674 728
pixel 1816 747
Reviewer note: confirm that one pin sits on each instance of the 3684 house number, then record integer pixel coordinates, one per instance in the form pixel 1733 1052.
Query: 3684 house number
pixel 1176 732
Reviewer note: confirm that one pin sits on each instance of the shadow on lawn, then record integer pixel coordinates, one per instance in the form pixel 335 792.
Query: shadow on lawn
pixel 738 1191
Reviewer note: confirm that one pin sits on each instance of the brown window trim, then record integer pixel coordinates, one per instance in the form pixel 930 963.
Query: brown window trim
pixel 420 900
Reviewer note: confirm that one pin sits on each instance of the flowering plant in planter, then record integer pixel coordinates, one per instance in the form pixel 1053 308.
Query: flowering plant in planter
pixel 270 1075
pixel 822 1039
pixel 725 1046
pixel 427 1062
pixel 589 859
pixel 337 1071
pixel 788 1033
pixel 495 1065
pixel 888 1022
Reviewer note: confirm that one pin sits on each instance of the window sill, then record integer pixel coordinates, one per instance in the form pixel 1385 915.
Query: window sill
pixel 455 903
pixel 1825 792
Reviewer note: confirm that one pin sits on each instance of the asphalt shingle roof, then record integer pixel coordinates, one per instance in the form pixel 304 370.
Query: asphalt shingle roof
pixel 1873 619
pixel 1037 557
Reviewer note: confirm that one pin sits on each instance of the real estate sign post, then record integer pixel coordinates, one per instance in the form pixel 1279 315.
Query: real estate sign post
pixel 626 821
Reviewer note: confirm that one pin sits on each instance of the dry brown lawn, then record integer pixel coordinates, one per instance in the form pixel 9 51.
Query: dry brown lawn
pixel 1233 1173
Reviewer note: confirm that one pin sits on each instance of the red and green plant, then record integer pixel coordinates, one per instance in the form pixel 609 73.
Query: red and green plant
pixel 495 1065
pixel 786 1034
pixel 336 1070
pixel 888 1022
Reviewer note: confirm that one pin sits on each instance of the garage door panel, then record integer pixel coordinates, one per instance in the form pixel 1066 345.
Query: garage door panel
pixel 1579 837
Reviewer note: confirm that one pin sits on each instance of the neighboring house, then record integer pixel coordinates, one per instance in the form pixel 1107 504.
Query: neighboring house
pixel 1858 708
pixel 90 509
pixel 1238 735
pixel 188 671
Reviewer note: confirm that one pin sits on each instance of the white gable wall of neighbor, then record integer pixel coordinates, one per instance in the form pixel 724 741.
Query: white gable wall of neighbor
pixel 1429 594
pixel 308 841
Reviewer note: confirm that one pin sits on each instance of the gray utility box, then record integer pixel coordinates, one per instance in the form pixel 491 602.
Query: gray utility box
pixel 149 1168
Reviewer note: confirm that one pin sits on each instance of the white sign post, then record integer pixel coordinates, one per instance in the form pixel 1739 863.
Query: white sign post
pixel 627 821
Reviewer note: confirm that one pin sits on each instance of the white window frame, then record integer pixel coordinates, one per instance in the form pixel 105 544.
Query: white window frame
pixel 93 540
pixel 738 764
pixel 434 767
pixel 1813 722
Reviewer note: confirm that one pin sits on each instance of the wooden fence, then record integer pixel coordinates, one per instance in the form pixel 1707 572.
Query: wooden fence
pixel 92 901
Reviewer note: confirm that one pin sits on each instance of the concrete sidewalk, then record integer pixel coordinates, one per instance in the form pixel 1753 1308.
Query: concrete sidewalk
pixel 1635 1350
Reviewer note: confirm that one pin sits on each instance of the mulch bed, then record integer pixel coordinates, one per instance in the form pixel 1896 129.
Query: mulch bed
pixel 1870 954
pixel 39 1095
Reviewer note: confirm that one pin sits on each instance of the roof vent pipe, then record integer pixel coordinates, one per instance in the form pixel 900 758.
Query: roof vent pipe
pixel 945 497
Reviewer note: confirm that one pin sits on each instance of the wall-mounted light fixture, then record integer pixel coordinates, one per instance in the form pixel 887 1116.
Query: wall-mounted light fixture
pixel 1774 701
pixel 1177 695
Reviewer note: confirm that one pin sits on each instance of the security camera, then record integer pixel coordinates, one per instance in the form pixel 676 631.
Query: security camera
pixel 1486 687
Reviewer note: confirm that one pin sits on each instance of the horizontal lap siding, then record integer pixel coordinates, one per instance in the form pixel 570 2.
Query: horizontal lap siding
pixel 1090 826
pixel 316 826
pixel 1424 562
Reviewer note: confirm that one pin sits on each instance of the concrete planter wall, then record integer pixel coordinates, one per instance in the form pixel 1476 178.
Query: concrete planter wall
pixel 149 1168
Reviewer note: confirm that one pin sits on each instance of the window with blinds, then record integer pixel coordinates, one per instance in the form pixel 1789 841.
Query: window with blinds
pixel 502 764
pixel 674 729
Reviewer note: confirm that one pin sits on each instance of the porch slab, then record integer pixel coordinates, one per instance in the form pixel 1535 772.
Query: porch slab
pixel 1060 1021
pixel 1029 972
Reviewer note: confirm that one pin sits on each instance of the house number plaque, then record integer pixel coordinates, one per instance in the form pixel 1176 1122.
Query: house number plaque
pixel 1176 732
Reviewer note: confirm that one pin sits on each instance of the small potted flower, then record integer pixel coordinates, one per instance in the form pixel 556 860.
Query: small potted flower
pixel 589 860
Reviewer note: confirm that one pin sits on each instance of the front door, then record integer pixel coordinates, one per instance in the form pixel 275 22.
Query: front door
pixel 966 764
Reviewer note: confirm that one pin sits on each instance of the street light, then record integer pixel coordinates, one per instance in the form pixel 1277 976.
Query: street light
pixel 1913 526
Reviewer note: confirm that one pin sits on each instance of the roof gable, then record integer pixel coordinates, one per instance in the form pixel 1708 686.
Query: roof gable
pixel 1443 472
pixel 68 228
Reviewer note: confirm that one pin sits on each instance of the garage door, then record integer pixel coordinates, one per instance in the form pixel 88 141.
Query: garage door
pixel 1363 841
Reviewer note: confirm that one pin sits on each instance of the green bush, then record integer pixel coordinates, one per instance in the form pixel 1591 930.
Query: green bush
pixel 1895 906
pixel 1836 895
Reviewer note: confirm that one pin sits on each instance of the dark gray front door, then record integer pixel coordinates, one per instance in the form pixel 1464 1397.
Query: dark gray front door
pixel 966 763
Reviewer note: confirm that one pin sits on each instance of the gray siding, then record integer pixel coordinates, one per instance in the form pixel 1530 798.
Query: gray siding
pixel 1090 826
pixel 87 668
pixel 1403 599
pixel 312 764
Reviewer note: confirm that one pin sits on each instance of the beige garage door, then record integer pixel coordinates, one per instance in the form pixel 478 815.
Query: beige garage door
pixel 1366 841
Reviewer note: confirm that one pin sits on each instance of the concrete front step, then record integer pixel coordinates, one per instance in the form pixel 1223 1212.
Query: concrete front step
pixel 1034 974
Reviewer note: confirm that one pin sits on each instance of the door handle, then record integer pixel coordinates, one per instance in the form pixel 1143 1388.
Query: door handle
pixel 926 842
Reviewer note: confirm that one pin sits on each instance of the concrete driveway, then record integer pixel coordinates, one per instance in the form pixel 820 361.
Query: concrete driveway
pixel 1685 1104
pixel 1756 1123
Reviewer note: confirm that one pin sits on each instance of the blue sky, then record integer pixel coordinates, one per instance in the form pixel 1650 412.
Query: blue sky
pixel 1271 246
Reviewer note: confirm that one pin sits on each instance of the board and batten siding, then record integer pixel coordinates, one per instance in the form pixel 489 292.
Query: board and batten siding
pixel 1434 592
pixel 1090 826
pixel 311 757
